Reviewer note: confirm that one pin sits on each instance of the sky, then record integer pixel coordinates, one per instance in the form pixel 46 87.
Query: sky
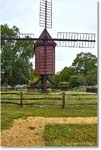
pixel 67 16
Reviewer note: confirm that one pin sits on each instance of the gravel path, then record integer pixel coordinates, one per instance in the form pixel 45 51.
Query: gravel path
pixel 29 132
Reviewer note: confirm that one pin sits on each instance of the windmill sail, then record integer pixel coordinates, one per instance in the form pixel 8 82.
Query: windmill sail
pixel 64 39
pixel 78 40
pixel 20 36
pixel 46 13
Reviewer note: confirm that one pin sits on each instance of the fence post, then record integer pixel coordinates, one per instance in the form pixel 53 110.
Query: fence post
pixel 21 103
pixel 63 100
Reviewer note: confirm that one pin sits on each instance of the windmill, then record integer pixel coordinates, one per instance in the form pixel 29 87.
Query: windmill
pixel 45 44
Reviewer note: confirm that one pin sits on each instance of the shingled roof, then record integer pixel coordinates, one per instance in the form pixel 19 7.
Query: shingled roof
pixel 45 35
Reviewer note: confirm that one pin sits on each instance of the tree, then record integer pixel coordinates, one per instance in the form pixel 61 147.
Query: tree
pixel 65 74
pixel 34 77
pixel 56 78
pixel 77 80
pixel 84 62
pixel 16 67
pixel 91 78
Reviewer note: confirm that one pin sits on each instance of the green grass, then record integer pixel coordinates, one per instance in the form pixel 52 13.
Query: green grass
pixel 71 135
pixel 11 112
pixel 47 108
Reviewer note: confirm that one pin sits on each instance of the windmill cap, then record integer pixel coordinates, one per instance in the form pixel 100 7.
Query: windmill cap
pixel 45 36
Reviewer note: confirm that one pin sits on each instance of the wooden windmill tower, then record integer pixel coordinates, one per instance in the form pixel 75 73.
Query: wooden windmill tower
pixel 45 44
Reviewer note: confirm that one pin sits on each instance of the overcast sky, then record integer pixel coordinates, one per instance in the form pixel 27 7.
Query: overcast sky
pixel 68 16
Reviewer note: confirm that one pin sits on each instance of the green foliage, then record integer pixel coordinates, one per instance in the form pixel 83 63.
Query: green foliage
pixel 91 77
pixel 66 73
pixel 82 72
pixel 62 77
pixel 71 135
pixel 34 77
pixel 77 80
pixel 64 84
pixel 56 78
pixel 84 62
pixel 16 67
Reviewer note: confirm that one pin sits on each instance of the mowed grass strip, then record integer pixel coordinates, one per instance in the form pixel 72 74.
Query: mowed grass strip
pixel 71 135
pixel 11 112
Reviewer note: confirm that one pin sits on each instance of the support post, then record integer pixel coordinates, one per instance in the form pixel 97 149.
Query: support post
pixel 51 82
pixel 21 102
pixel 43 83
pixel 63 100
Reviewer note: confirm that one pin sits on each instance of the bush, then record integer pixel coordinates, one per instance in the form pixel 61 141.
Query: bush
pixel 64 84
pixel 77 80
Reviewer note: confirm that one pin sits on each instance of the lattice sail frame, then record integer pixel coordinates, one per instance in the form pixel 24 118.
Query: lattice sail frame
pixel 76 40
pixel 64 39
pixel 46 13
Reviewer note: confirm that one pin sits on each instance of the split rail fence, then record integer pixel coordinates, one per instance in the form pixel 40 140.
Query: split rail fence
pixel 39 99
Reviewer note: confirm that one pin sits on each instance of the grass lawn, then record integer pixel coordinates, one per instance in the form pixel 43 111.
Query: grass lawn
pixel 11 112
pixel 55 134
pixel 47 108
pixel 71 135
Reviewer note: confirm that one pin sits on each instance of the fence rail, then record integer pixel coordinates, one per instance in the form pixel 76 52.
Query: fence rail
pixel 21 98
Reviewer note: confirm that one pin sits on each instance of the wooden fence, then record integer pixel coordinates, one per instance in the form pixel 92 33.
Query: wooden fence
pixel 19 98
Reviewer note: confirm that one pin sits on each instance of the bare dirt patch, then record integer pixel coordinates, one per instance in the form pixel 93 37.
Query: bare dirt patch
pixel 29 132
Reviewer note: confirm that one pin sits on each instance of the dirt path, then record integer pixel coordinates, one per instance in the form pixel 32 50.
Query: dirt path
pixel 29 132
